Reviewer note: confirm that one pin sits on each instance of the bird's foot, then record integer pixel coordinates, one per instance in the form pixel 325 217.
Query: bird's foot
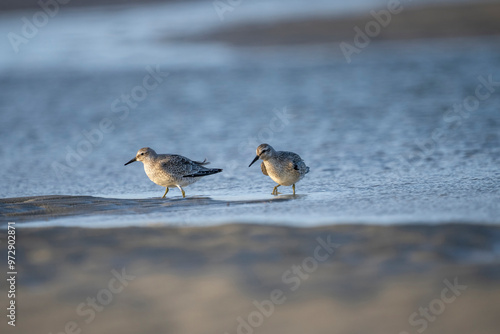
pixel 182 191
pixel 275 191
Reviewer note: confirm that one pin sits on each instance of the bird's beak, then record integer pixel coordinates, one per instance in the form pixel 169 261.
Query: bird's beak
pixel 255 159
pixel 135 159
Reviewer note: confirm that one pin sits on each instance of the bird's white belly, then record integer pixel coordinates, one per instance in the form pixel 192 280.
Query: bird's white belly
pixel 283 176
pixel 168 180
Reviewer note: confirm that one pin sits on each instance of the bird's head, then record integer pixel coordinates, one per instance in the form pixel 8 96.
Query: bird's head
pixel 143 154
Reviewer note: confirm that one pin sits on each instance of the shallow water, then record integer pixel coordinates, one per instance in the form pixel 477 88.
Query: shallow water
pixel 379 135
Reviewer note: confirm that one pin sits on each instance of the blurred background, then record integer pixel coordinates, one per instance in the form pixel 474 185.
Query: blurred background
pixel 378 97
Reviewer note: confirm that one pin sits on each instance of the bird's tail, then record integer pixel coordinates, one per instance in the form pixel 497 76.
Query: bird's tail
pixel 202 163
pixel 205 172
pixel 307 169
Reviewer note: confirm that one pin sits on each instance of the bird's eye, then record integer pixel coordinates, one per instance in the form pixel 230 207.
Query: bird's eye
pixel 142 153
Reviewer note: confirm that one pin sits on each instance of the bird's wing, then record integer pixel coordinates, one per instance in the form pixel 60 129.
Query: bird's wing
pixel 204 172
pixel 186 160
pixel 183 164
pixel 263 167
pixel 300 165
pixel 295 160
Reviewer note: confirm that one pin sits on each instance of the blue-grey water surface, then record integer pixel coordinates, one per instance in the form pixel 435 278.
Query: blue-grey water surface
pixel 396 136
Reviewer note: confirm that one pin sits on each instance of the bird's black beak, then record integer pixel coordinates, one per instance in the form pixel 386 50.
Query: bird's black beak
pixel 135 159
pixel 255 159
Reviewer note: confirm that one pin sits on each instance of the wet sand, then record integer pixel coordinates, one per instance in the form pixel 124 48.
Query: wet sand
pixel 334 279
pixel 37 208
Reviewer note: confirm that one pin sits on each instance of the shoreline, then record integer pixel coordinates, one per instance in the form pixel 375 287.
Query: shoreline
pixel 105 212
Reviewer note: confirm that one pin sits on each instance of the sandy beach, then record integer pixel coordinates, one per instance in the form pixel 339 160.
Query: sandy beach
pixel 259 279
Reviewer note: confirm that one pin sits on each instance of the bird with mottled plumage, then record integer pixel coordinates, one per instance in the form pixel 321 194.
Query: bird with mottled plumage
pixel 284 168
pixel 168 170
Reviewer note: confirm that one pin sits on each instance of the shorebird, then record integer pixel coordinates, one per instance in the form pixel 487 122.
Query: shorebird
pixel 284 168
pixel 168 170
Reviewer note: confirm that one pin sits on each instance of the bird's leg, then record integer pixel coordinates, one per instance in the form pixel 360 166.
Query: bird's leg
pixel 165 194
pixel 293 187
pixel 275 191
pixel 182 190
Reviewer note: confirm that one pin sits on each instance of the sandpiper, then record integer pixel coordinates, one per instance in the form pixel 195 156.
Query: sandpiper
pixel 168 170
pixel 284 168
